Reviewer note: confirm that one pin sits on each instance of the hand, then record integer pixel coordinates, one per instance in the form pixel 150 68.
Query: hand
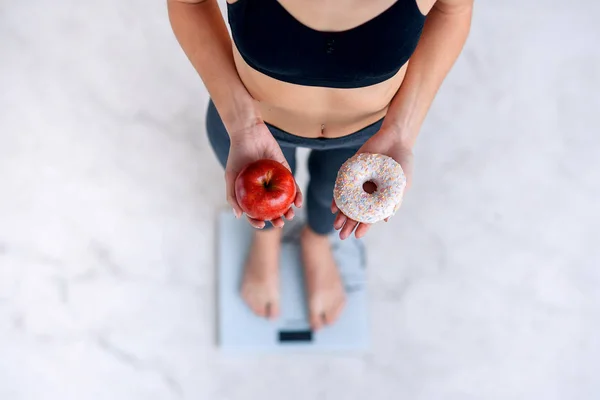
pixel 249 145
pixel 383 142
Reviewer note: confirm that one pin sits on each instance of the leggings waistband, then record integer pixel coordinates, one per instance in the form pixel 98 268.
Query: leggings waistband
pixel 352 140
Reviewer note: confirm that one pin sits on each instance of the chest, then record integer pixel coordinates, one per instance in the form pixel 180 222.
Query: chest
pixel 337 49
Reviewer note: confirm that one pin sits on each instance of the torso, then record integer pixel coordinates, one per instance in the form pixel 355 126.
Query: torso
pixel 314 111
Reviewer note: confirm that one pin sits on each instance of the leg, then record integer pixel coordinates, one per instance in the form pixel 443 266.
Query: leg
pixel 260 285
pixel 324 287
pixel 323 166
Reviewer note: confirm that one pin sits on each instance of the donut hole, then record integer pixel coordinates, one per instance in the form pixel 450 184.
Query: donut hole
pixel 369 187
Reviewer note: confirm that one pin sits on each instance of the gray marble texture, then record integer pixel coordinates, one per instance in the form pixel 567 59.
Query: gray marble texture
pixel 108 194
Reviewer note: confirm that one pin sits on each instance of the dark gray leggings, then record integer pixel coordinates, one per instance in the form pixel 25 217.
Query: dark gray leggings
pixel 326 158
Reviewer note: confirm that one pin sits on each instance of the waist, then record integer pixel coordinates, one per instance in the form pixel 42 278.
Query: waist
pixel 317 112
pixel 319 125
pixel 354 139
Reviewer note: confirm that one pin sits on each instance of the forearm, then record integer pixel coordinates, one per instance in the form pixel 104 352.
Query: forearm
pixel 442 40
pixel 199 27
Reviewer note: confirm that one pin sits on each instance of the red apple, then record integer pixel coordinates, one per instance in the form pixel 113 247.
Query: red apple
pixel 265 189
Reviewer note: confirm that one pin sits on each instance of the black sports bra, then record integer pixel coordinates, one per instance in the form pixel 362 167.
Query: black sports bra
pixel 273 42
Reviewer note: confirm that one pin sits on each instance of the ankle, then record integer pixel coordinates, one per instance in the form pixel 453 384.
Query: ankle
pixel 271 236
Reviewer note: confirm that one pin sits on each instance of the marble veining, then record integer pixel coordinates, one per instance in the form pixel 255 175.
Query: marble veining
pixel 109 193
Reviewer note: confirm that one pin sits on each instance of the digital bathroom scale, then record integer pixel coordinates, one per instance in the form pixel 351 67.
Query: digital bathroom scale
pixel 242 331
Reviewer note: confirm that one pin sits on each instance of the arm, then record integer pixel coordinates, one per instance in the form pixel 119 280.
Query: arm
pixel 201 32
pixel 199 27
pixel 444 35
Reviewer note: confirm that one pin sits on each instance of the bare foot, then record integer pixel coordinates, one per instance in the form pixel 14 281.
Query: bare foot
pixel 260 286
pixel 324 287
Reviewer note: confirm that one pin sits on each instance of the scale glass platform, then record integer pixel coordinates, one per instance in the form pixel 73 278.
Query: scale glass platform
pixel 241 331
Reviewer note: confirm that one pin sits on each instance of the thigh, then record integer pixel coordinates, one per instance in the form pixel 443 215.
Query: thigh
pixel 219 139
pixel 323 166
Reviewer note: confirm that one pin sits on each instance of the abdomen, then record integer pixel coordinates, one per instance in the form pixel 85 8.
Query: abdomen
pixel 303 110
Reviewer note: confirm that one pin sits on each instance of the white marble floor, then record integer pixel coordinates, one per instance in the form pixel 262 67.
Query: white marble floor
pixel 108 193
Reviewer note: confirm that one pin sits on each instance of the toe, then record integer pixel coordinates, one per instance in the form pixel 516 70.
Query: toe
pixel 258 310
pixel 335 311
pixel 316 319
pixel 272 309
pixel 254 304
pixel 258 304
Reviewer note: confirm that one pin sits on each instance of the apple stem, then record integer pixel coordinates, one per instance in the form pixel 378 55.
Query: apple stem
pixel 267 180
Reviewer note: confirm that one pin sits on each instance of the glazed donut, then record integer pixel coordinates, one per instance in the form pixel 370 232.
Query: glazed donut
pixel 355 202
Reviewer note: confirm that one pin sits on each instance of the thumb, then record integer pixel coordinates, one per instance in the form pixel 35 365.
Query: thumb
pixel 230 193
pixel 285 164
pixel 278 156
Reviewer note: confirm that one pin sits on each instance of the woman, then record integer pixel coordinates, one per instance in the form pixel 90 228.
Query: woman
pixel 330 75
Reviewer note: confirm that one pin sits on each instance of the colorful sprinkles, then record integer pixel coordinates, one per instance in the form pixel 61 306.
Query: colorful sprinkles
pixel 351 198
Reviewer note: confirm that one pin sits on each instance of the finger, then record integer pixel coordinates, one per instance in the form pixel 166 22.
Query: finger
pixel 230 193
pixel 348 228
pixel 339 221
pixel 278 222
pixel 283 161
pixel 334 207
pixel 289 215
pixel 237 210
pixel 361 230
pixel 299 199
pixel 256 223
